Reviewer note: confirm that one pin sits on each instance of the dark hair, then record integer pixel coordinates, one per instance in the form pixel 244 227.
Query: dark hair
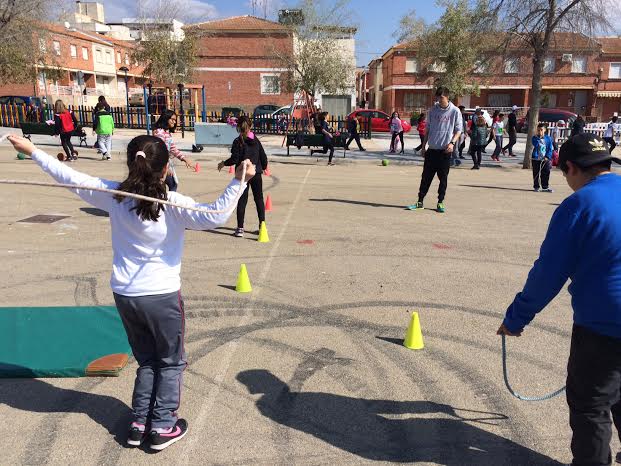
pixel 421 117
pixel 322 117
pixel 496 113
pixel 243 127
pixel 542 125
pixel 442 91
pixel 500 115
pixel 145 175
pixel 615 118
pixel 163 120
pixel 102 104
pixel 461 107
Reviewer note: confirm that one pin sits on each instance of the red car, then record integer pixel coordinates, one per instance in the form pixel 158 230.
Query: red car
pixel 380 121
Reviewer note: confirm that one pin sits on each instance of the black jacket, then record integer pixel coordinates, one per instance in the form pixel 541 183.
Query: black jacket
pixel 250 149
pixel 512 120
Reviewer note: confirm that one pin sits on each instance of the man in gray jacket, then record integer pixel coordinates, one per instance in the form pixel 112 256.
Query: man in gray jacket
pixel 444 127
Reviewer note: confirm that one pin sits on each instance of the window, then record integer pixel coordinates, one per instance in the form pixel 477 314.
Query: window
pixel 413 100
pixel 98 56
pixel 42 46
pixel 270 84
pixel 578 65
pixel 512 65
pixel 480 67
pixel 118 57
pixel 549 65
pixel 84 53
pixel 74 51
pixel 411 65
pixel 127 59
pixel 108 57
pixel 437 67
pixel 499 100
pixel 56 47
pixel 615 71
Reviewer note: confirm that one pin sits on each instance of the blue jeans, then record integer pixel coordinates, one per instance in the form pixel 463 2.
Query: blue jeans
pixel 498 141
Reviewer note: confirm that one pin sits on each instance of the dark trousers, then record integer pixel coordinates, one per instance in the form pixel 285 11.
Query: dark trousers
pixel 476 154
pixel 490 139
pixel 65 140
pixel 171 183
pixel 354 136
pixel 420 146
pixel 155 327
pixel 541 169
pixel 512 140
pixel 611 144
pixel 256 183
pixel 593 393
pixel 393 147
pixel 437 162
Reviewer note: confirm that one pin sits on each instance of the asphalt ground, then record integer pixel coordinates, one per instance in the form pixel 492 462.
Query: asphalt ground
pixel 309 368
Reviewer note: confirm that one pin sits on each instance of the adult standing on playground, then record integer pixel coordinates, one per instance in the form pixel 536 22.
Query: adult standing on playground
pixel 444 127
pixel 511 131
pixel 590 218
pixel 612 129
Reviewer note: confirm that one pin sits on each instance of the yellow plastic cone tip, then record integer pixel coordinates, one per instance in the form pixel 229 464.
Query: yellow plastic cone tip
pixel 243 282
pixel 263 236
pixel 414 335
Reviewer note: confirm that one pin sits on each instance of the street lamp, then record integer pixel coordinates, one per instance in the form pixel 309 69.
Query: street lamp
pixel 124 69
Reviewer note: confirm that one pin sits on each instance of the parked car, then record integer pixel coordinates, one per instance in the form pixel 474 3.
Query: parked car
pixel 548 115
pixel 263 111
pixel 20 100
pixel 380 121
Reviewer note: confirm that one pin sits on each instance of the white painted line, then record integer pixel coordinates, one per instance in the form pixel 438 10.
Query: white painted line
pixel 198 425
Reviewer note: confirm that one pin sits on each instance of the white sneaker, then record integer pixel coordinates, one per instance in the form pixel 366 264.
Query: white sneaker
pixel 547 190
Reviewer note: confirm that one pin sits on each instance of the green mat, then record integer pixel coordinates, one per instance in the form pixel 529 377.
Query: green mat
pixel 62 341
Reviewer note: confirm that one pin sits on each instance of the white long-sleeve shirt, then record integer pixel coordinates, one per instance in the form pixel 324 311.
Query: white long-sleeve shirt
pixel 147 254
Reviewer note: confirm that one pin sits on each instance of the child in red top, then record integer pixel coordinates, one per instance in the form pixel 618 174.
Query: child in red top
pixel 421 128
pixel 64 124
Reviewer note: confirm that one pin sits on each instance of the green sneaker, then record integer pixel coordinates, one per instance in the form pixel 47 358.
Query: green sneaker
pixel 418 205
pixel 441 208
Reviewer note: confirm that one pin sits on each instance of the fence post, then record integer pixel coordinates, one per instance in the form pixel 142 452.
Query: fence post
pixel 204 110
pixel 146 109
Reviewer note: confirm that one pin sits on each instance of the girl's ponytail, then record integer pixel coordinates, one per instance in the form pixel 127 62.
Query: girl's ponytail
pixel 147 157
pixel 243 126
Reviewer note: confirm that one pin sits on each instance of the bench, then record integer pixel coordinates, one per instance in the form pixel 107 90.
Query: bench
pixel 29 129
pixel 315 140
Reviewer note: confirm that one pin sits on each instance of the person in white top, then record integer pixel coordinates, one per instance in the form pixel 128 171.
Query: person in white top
pixel 498 129
pixel 147 244
pixel 612 129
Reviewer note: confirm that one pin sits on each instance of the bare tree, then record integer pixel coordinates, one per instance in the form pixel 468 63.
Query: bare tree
pixel 317 61
pixel 532 25
pixel 451 49
pixel 22 51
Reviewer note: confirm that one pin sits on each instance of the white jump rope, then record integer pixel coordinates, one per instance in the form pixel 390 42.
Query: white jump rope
pixel 126 194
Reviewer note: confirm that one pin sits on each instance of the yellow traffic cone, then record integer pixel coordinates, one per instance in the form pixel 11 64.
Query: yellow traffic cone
pixel 414 335
pixel 243 282
pixel 263 236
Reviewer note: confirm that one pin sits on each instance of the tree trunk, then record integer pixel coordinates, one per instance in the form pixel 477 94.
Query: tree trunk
pixel 533 111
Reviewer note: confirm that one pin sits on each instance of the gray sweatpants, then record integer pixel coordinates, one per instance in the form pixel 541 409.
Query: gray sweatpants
pixel 104 142
pixel 155 327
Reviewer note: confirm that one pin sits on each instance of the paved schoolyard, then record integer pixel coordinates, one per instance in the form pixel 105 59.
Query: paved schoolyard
pixel 308 368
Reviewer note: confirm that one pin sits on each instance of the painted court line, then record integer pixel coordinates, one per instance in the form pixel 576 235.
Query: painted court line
pixel 228 357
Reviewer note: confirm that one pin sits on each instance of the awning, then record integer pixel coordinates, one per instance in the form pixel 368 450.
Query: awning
pixel 609 94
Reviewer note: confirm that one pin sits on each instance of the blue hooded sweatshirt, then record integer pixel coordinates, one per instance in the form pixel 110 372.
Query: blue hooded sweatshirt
pixel 542 147
pixel 583 244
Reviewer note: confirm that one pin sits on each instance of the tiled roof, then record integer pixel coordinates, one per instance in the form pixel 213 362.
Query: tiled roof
pixel 58 29
pixel 610 45
pixel 241 23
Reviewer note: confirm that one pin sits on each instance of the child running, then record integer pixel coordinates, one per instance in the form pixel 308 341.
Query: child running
pixel 64 124
pixel 498 129
pixel 103 126
pixel 147 244
pixel 164 126
pixel 541 159
pixel 248 147
pixel 478 138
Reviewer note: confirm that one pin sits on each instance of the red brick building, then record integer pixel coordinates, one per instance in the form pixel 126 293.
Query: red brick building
pixel 236 62
pixel 585 82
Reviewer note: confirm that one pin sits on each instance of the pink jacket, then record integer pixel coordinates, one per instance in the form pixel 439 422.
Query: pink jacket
pixel 168 140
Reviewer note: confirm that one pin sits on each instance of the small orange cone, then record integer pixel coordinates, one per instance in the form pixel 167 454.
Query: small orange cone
pixel 197 167
pixel 231 170
pixel 267 172
pixel 268 203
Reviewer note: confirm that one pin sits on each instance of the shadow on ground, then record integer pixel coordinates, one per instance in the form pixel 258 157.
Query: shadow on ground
pixel 385 430
pixel 362 203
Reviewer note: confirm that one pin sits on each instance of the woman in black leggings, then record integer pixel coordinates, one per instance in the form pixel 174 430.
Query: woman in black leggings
pixel 248 146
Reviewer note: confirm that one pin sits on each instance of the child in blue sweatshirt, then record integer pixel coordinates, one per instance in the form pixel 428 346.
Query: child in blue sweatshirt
pixel 541 159
pixel 582 245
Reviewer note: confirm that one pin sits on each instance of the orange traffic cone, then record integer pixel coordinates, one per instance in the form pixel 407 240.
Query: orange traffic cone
pixel 231 170
pixel 268 203
pixel 197 167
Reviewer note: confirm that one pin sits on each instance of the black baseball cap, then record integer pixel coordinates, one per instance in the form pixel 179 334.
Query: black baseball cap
pixel 585 150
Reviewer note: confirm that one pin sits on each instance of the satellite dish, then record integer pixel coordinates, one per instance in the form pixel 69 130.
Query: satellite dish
pixel 67 25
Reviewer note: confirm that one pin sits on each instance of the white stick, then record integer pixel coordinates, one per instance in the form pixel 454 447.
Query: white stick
pixel 126 194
